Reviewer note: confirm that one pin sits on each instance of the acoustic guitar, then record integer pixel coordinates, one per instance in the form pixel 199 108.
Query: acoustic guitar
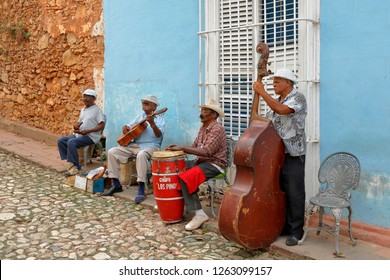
pixel 137 129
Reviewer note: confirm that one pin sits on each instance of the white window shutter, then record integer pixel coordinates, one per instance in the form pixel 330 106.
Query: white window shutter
pixel 235 28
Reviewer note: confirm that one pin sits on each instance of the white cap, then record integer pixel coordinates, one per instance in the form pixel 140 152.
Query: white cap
pixel 90 92
pixel 285 74
pixel 151 98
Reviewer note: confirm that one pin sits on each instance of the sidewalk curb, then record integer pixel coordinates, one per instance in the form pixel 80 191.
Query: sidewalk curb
pixel 24 130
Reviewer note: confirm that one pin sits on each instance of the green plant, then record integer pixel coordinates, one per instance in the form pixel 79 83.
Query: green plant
pixel 19 31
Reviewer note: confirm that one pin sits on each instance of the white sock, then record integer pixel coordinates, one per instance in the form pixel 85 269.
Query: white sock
pixel 200 212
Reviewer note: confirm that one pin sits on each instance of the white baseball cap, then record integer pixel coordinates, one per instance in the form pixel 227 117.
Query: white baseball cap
pixel 90 92
pixel 285 74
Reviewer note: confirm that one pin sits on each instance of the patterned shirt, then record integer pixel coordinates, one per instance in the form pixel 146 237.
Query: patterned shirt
pixel 291 127
pixel 213 140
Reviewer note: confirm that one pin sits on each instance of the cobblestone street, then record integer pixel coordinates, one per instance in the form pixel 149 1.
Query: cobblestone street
pixel 41 217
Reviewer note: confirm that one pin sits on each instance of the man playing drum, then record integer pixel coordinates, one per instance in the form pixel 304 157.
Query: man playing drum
pixel 210 149
pixel 143 146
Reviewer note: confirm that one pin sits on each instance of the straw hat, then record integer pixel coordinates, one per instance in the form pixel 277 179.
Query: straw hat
pixel 213 105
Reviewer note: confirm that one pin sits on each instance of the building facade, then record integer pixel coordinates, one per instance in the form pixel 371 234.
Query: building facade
pixel 186 51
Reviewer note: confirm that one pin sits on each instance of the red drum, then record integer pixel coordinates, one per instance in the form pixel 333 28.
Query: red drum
pixel 166 166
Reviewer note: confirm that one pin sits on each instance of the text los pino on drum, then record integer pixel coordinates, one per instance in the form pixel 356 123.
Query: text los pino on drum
pixel 161 185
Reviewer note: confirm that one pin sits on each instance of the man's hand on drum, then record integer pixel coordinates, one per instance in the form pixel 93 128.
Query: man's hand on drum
pixel 174 147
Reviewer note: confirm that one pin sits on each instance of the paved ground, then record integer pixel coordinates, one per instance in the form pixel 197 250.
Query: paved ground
pixel 42 217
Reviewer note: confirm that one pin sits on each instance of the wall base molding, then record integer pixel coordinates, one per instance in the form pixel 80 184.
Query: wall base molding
pixel 360 231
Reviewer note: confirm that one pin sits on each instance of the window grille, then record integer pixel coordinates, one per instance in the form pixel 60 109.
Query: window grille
pixel 240 25
pixel 229 31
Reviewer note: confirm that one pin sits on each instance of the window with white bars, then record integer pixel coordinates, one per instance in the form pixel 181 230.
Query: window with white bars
pixel 232 29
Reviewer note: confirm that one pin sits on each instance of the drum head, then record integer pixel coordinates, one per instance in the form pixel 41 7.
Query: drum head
pixel 167 154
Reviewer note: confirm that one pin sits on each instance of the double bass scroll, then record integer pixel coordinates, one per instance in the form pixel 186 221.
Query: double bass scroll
pixel 262 72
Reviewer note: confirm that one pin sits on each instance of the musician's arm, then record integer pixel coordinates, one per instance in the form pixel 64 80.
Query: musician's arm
pixel 188 150
pixel 156 129
pixel 76 127
pixel 275 105
pixel 99 127
pixel 195 151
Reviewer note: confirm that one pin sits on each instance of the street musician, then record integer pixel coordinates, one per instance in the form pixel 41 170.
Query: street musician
pixel 150 129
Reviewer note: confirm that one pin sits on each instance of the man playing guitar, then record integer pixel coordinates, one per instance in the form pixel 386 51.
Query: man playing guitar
pixel 143 146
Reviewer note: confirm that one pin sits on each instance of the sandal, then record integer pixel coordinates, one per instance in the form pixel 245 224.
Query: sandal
pixel 139 198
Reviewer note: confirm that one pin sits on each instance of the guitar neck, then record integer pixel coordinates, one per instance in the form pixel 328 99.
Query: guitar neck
pixel 163 110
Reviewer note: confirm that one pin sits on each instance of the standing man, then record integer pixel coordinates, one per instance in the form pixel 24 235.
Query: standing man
pixel 210 147
pixel 87 131
pixel 288 113
pixel 143 146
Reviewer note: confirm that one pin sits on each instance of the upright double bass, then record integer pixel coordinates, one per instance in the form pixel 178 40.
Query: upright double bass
pixel 252 211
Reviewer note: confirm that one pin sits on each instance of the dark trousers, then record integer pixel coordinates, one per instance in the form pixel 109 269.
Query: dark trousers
pixel 192 201
pixel 68 147
pixel 292 182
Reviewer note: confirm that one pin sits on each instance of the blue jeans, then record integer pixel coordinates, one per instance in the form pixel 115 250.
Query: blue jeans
pixel 68 146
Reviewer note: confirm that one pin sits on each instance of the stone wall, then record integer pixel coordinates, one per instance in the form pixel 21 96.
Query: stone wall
pixel 50 52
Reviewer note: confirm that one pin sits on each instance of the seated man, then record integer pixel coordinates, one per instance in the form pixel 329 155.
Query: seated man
pixel 143 146
pixel 210 147
pixel 87 131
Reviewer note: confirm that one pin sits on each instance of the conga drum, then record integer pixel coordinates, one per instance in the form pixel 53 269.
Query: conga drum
pixel 166 166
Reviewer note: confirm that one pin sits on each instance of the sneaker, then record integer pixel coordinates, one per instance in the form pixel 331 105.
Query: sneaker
pixel 139 198
pixel 196 222
pixel 292 240
pixel 72 171
pixel 68 167
pixel 112 190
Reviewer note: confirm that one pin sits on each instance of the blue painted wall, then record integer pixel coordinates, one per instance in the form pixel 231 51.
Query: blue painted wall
pixel 151 47
pixel 355 97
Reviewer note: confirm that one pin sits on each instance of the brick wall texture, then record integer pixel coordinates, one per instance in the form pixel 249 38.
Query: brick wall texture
pixel 50 52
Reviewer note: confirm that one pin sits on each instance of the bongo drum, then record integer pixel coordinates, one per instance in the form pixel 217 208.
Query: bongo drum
pixel 166 166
